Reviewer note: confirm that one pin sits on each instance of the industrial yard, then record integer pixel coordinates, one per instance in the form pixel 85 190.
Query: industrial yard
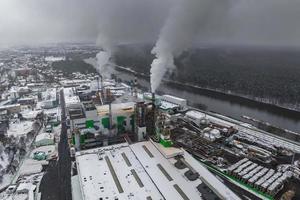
pixel 57 128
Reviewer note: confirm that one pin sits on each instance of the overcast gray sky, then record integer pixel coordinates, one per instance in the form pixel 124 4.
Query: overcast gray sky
pixel 274 22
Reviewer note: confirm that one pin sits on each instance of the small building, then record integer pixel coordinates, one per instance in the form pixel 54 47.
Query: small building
pixel 195 116
pixel 32 114
pixel 44 139
pixel 26 101
pixel 49 98
pixel 49 128
pixel 25 188
pixel 19 128
pixel 71 97
pixel 175 100
pixel 11 109
pixel 74 82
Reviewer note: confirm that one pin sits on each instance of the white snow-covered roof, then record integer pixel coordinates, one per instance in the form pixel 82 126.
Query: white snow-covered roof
pixel 188 187
pixel 112 177
pixel 9 106
pixel 76 190
pixel 173 97
pixel 70 96
pixel 195 114
pixel 140 171
pixel 30 114
pixel 175 100
pixel 53 58
pixel 49 94
pixel 74 82
pixel 25 186
pixel 19 128
pixel 44 136
pixel 167 105
pixel 53 111
pixel 31 166
pixel 209 179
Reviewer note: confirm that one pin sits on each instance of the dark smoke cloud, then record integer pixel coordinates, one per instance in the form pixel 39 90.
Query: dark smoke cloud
pixel 38 21
pixel 264 22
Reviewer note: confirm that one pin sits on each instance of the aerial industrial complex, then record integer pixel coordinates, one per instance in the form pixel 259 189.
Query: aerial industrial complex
pixel 126 143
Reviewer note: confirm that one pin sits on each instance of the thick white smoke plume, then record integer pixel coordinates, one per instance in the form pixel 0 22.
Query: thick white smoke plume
pixel 103 57
pixel 178 33
pixel 126 22
pixel 102 60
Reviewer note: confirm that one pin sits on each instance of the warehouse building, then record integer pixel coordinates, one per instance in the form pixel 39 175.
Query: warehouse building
pixel 144 170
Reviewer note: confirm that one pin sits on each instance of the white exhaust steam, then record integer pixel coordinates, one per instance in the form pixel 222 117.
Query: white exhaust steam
pixel 103 57
pixel 177 34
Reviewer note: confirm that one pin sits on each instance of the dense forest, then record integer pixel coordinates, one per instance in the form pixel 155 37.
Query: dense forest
pixel 263 74
pixel 70 65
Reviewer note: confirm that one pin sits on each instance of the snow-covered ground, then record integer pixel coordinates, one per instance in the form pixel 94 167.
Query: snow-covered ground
pixel 4 162
pixel 32 166
pixel 13 150
pixel 30 114
pixel 25 189
pixel 19 128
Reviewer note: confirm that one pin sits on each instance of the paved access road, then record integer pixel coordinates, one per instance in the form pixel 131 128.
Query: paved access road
pixel 56 183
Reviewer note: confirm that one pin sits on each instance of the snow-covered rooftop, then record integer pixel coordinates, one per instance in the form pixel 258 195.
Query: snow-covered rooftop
pixel 195 114
pixel 19 128
pixel 49 94
pixel 116 108
pixel 44 136
pixel 70 96
pixel 115 174
pixel 30 114
pixel 173 97
pixel 141 171
pixel 32 166
pixel 167 105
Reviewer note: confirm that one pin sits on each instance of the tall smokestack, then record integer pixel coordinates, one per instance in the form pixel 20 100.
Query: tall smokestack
pixel 177 34
pixel 153 99
pixel 110 99
pixel 135 87
pixel 98 84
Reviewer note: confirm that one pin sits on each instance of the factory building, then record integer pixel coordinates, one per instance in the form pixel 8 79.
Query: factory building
pixel 259 174
pixel 90 124
pixel 168 102
pixel 277 185
pixel 143 170
pixel 196 117
pixel 175 100
pixel 122 117
pixel 266 180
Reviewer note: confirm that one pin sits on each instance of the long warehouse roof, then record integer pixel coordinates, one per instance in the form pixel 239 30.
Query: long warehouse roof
pixel 141 171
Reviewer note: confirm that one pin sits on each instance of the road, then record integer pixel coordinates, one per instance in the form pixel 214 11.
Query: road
pixel 56 183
